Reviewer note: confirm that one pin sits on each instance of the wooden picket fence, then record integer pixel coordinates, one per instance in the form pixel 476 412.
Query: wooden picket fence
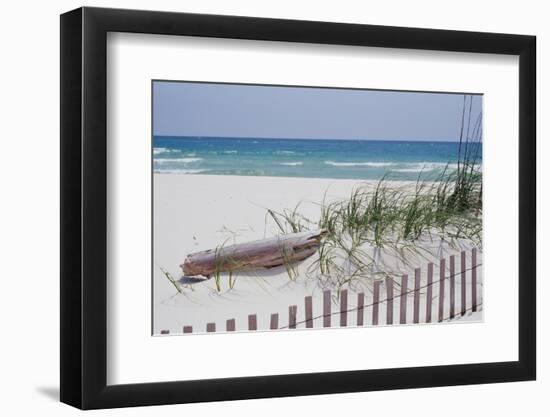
pixel 447 306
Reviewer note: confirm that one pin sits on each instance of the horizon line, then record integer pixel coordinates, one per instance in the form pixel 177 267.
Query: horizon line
pixel 289 138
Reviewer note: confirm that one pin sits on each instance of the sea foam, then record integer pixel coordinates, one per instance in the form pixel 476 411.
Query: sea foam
pixel 292 164
pixel 393 166
pixel 180 160
pixel 180 171
pixel 354 164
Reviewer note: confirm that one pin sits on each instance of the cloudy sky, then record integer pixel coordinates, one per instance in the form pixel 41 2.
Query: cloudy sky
pixel 232 110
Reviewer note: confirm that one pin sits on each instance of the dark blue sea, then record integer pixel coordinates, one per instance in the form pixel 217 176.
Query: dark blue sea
pixel 310 158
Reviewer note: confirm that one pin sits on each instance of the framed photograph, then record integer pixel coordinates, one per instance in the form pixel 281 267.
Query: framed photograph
pixel 257 208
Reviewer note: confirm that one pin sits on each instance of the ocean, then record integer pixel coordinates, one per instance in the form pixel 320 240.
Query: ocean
pixel 309 158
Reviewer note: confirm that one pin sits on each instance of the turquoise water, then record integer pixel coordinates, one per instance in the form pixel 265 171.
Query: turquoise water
pixel 309 158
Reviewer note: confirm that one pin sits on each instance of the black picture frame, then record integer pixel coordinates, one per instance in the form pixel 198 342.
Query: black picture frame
pixel 84 207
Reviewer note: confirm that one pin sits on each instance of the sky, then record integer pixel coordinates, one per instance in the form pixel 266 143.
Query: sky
pixel 233 110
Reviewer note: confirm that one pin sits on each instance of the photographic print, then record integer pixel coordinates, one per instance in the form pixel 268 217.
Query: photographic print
pixel 301 207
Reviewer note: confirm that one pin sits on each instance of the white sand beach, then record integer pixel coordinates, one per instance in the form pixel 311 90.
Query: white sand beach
pixel 198 212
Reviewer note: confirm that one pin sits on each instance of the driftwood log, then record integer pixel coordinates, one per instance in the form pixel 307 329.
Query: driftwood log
pixel 265 253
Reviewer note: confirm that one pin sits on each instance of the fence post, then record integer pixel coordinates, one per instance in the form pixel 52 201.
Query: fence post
pixel 187 329
pixel 474 279
pixel 462 283
pixel 360 308
pixel 343 308
pixel 210 327
pixel 429 293
pixel 375 302
pixel 309 312
pixel 452 286
pixel 416 306
pixel 252 322
pixel 292 317
pixel 274 322
pixel 389 300
pixel 326 308
pixel 230 325
pixel 403 299
pixel 441 289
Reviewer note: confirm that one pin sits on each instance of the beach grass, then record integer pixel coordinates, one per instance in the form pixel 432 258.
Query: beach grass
pixel 171 279
pixel 392 218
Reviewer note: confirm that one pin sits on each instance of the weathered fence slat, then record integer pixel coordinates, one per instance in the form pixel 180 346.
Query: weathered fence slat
pixel 403 300
pixel 375 302
pixel 230 325
pixel 474 279
pixel 429 293
pixel 252 322
pixel 462 283
pixel 343 308
pixel 416 304
pixel 292 316
pixel 309 312
pixel 274 321
pixel 441 289
pixel 360 308
pixel 389 300
pixel 187 329
pixel 326 308
pixel 210 327
pixel 452 286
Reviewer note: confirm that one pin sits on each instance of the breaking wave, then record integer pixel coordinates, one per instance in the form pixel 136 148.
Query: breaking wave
pixel 292 164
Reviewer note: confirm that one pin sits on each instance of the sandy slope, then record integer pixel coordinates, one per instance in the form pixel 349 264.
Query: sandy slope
pixel 197 212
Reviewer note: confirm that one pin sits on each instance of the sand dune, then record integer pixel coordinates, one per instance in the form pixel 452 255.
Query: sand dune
pixel 198 212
